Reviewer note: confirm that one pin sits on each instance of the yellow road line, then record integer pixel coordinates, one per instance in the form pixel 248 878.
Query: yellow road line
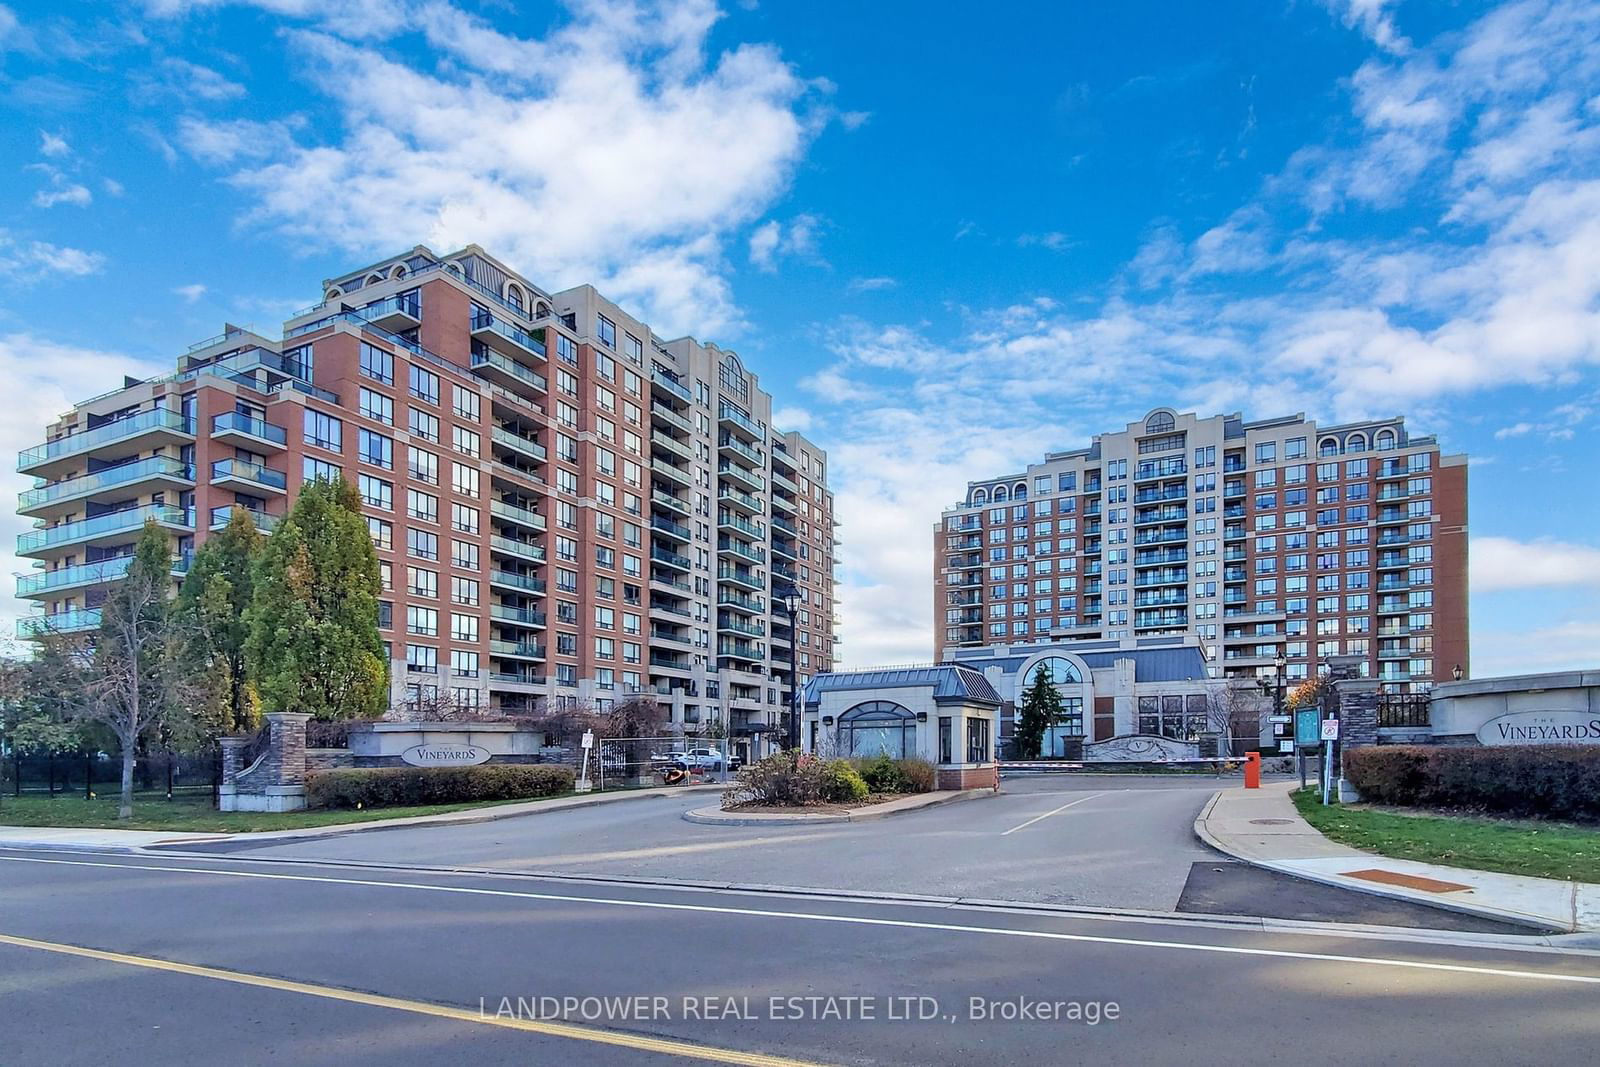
pixel 418 1007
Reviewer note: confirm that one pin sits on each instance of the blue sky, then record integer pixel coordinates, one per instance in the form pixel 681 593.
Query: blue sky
pixel 948 239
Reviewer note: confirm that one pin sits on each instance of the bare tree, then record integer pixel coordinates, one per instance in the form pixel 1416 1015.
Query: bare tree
pixel 1235 711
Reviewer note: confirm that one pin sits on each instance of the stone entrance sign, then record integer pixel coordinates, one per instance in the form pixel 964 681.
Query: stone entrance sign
pixel 1542 728
pixel 445 755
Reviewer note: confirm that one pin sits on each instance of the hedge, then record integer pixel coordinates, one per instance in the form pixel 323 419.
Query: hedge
pixel 411 786
pixel 1546 781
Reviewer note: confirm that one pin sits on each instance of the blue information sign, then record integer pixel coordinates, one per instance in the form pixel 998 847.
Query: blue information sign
pixel 1307 727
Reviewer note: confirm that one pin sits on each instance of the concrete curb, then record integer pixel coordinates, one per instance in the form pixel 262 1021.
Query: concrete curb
pixel 1482 911
pixel 718 817
pixel 454 818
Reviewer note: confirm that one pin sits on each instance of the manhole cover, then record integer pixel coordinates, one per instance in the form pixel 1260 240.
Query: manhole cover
pixel 1270 822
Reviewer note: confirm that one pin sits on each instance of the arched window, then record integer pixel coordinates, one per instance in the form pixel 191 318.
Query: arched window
pixel 542 310
pixel 1020 491
pixel 333 294
pixel 1160 422
pixel 999 493
pixel 1385 440
pixel 514 296
pixel 399 271
pixel 374 279
pixel 980 496
pixel 1328 446
pixel 877 728
pixel 1356 442
pixel 1058 670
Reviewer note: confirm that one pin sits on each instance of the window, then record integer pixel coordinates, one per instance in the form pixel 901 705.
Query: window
pixel 464 479
pixel 463 627
pixel 466 441
pixel 422 659
pixel 1058 670
pixel 423 466
pixel 314 468
pixel 324 431
pixel 382 532
pixel 377 364
pixel 464 518
pixel 375 449
pixel 877 727
pixel 376 406
pixel 420 505
pixel 1267 452
pixel 375 492
pixel 464 591
pixel 467 404
pixel 607 332
pixel 424 425
pixel 464 554
pixel 978 740
pixel 424 384
pixel 422 582
pixel 424 622
pixel 635 349
pixel 424 544
pixel 464 665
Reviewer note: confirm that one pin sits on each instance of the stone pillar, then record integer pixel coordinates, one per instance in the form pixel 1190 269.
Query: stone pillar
pixel 1358 711
pixel 232 747
pixel 286 752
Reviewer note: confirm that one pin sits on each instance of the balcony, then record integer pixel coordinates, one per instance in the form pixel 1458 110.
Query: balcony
pixel 1169 555
pixel 670 559
pixel 740 423
pixel 145 475
pixel 727 520
pixel 671 661
pixel 670 386
pixel 62 622
pixel 517 681
pixel 519 443
pixel 517 616
pixel 220 517
pixel 747 478
pixel 741 577
pixel 728 443
pixel 668 469
pixel 1160 600
pixel 502 370
pixel 783 503
pixel 514 513
pixel 511 546
pixel 398 313
pixel 666 527
pixel 1165 468
pixel 740 549
pixel 784 482
pixel 128 436
pixel 662 413
pixel 516 649
pixel 970 561
pixel 961 544
pixel 1163 619
pixel 733 624
pixel 734 648
pixel 1163 537
pixel 521 582
pixel 663 440
pixel 504 336
pixel 1149 516
pixel 244 475
pixel 1175 576
pixel 671 503
pixel 236 428
pixel 1157 496
pixel 677 635
pixel 784 549
pixel 739 501
pixel 103 529
pixel 732 598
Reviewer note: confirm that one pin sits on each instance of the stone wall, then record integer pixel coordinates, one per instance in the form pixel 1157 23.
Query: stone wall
pixel 275 782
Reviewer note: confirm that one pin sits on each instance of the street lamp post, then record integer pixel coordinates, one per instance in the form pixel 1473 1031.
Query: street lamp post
pixel 790 596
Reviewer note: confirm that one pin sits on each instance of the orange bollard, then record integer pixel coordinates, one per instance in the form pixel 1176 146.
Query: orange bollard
pixel 1252 770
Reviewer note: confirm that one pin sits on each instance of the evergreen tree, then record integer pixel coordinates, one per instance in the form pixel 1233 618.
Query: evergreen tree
pixel 212 606
pixel 1041 709
pixel 313 642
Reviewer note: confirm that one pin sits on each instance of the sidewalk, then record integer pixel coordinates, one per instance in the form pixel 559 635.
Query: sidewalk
pixel 1262 828
pixel 106 840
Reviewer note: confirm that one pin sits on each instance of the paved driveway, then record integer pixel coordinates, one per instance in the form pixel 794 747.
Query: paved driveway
pixel 1113 841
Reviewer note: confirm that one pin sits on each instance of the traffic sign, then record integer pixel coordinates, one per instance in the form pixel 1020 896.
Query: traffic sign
pixel 1330 729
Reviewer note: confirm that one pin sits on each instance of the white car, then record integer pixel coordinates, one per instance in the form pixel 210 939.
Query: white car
pixel 702 759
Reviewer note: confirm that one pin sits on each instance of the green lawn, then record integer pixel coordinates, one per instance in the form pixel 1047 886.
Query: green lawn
pixel 193 813
pixel 1510 846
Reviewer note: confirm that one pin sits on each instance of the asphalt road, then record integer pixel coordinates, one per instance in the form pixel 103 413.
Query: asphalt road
pixel 1112 841
pixel 230 959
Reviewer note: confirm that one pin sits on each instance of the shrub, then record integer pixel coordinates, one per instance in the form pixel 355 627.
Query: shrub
pixel 786 779
pixel 882 775
pixel 841 784
pixel 1549 781
pixel 409 786
pixel 919 776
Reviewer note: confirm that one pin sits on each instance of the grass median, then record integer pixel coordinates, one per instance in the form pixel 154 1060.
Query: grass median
pixel 1509 846
pixel 193 813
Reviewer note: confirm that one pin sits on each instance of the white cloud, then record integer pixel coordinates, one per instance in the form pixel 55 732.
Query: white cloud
pixel 53 145
pixel 191 292
pixel 1572 644
pixel 871 285
pixel 772 240
pixel 63 192
pixel 614 139
pixel 1374 19
pixel 24 261
pixel 1054 240
pixel 854 120
pixel 791 419
pixel 1500 563
pixel 1517 430
pixel 43 378
pixel 764 241
pixel 112 186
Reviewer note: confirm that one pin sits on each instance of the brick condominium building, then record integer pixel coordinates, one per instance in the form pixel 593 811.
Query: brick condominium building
pixel 1267 539
pixel 564 505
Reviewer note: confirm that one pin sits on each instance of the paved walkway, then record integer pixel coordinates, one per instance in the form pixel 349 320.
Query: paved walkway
pixel 68 837
pixel 1262 827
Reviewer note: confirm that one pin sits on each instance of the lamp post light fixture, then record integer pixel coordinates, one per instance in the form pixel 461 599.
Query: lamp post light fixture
pixel 790 595
pixel 1457 673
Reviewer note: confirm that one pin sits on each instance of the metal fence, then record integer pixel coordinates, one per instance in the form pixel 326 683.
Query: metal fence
pixel 623 762
pixel 1404 709
pixel 68 773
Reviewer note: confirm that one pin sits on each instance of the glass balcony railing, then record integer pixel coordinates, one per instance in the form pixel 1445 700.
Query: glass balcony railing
pixel 486 357
pixel 236 422
pixel 484 320
pixel 728 413
pixel 676 388
pixel 245 471
pixel 118 522
pixel 110 478
pixel 62 622
pixel 120 430
pixel 516 581
pixel 222 516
